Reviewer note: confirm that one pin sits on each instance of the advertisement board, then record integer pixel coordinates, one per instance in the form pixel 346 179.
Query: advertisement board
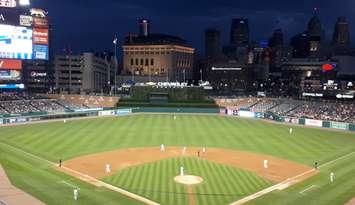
pixel 26 20
pixel 9 16
pixel 40 52
pixel 40 36
pixel 40 22
pixel 248 114
pixel 107 113
pixel 339 125
pixel 15 42
pixel 122 112
pixel 10 75
pixel 12 86
pixel 316 123
pixel 10 64
pixel 8 3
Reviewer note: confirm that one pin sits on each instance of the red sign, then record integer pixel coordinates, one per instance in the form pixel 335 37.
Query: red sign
pixel 40 36
pixel 10 64
pixel 327 67
pixel 40 22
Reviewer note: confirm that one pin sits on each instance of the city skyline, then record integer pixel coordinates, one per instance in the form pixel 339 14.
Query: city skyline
pixel 182 18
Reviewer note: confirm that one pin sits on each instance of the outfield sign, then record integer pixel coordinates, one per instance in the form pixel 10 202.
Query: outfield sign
pixel 107 113
pixel 248 114
pixel 122 112
pixel 316 123
pixel 339 125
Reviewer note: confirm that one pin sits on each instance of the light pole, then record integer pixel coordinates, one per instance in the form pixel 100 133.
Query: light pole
pixel 115 41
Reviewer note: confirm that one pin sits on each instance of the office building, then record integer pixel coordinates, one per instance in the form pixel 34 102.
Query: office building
pixel 239 35
pixel 341 36
pixel 88 72
pixel 158 55
pixel 212 43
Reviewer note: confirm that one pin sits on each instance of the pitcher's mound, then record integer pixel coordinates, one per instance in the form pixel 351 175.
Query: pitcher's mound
pixel 188 179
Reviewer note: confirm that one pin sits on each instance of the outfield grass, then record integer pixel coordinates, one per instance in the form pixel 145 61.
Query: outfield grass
pixel 57 140
pixel 222 184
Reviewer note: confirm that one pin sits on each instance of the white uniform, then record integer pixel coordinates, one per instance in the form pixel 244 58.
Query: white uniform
pixel 76 194
pixel 108 168
pixel 291 130
pixel 65 121
pixel 184 150
pixel 162 148
pixel 266 164
pixel 182 171
pixel 174 117
pixel 204 150
pixel 332 176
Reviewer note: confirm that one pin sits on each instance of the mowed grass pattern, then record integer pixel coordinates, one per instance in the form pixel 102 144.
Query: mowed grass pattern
pixel 58 140
pixel 222 184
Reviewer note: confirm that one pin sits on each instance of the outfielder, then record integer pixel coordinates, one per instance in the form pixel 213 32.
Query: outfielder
pixel 291 130
pixel 76 194
pixel 332 176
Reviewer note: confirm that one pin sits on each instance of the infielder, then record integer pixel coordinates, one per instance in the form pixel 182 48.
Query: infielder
pixel 108 168
pixel 204 150
pixel 332 176
pixel 162 148
pixel 184 150
pixel 76 194
pixel 266 164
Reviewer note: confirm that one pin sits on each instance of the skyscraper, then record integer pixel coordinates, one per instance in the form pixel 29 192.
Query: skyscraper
pixel 239 32
pixel 341 36
pixel 144 27
pixel 277 38
pixel 212 43
pixel 315 35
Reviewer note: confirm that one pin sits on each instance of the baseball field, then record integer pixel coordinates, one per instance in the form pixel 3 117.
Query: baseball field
pixel 230 170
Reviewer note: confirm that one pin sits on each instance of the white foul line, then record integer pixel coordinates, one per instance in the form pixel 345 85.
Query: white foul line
pixel 309 188
pixel 277 186
pixel 89 178
pixel 69 184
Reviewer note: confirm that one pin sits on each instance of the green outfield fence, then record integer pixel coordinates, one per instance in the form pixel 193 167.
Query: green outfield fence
pixel 30 117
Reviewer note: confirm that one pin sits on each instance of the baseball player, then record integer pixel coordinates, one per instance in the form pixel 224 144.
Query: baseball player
pixel 266 164
pixel 184 150
pixel 162 148
pixel 204 150
pixel 65 121
pixel 60 163
pixel 332 176
pixel 108 168
pixel 291 130
pixel 316 165
pixel 76 194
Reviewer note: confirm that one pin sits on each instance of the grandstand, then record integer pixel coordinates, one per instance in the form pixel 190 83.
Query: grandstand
pixel 332 111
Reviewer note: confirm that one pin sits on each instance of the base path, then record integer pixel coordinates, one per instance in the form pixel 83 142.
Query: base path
pixel 351 202
pixel 10 195
pixel 94 164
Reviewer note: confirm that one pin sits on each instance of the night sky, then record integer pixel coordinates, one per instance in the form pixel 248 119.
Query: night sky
pixel 91 24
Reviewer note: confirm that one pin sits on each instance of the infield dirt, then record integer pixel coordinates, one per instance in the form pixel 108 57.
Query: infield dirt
pixel 278 170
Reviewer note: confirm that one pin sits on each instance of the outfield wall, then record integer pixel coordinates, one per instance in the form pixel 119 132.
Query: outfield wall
pixel 128 111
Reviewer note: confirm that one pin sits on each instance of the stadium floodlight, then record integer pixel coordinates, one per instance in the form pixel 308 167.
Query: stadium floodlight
pixel 24 2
